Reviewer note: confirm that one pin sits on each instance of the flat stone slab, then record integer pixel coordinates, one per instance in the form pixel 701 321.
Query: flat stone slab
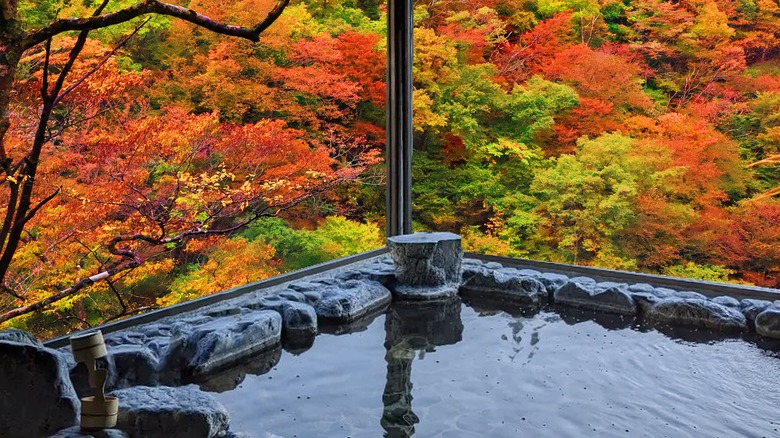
pixel 351 300
pixel 36 396
pixel 727 301
pixel 427 265
pixel 552 281
pixel 299 319
pixel 505 284
pixel 219 343
pixel 76 432
pixel 382 271
pixel 166 412
pixel 19 336
pixel 697 313
pixel 583 294
pixel 768 322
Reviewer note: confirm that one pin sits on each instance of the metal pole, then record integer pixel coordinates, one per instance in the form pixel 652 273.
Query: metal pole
pixel 399 117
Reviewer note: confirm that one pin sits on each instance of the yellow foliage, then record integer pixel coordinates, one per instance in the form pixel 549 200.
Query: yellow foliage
pixel 234 263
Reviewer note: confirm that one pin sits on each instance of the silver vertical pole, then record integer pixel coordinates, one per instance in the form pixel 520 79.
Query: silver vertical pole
pixel 399 117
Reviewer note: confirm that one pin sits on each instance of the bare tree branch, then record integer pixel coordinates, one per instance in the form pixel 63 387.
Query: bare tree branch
pixel 59 26
pixel 81 284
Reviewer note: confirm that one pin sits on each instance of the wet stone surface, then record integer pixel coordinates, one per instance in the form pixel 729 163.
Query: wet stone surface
pixel 36 395
pixel 587 295
pixel 427 265
pixel 166 412
pixel 220 345
pixel 696 312
pixel 768 322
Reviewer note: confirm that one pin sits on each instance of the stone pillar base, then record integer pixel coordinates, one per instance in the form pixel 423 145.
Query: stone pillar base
pixel 427 265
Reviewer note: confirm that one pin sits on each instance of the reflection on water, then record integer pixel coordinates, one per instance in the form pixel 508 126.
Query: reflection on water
pixel 412 327
pixel 230 378
pixel 487 369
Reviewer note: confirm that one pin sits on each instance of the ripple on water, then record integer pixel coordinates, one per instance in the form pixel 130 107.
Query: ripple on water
pixel 512 375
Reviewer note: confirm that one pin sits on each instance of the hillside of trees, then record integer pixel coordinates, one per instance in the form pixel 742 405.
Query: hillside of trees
pixel 639 134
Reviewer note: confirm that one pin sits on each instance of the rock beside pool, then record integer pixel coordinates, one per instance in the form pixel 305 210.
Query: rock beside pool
pixel 166 412
pixel 427 265
pixel 132 365
pixel 726 301
pixel 382 270
pixel 582 294
pixel 768 322
pixel 128 365
pixel 19 336
pixel 205 348
pixel 351 300
pixel 690 295
pixel 299 319
pixel 552 281
pixel 76 432
pixel 506 284
pixel 36 395
pixel 751 308
pixel 697 313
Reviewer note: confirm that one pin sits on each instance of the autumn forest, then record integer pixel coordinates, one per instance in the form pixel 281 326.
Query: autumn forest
pixel 170 161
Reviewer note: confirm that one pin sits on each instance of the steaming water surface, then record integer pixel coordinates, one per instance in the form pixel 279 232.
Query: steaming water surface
pixel 503 375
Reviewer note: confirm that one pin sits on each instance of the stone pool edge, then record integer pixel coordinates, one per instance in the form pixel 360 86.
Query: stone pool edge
pixel 179 345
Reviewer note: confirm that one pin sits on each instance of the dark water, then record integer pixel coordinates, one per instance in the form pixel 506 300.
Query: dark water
pixel 458 371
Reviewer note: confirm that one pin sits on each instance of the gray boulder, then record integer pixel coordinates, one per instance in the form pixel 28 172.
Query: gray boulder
pixel 768 322
pixel 530 273
pixel 219 343
pixel 292 295
pixel 493 265
pixel 644 301
pixel 36 396
pixel 751 308
pixel 552 281
pixel 697 313
pixel 133 366
pixel 586 281
pixel 165 412
pixel 611 300
pixel 468 261
pixel 604 285
pixel 427 265
pixel 642 287
pixel 726 301
pixel 299 320
pixel 690 295
pixel 128 365
pixel 506 284
pixel 470 270
pixel 351 300
pixel 221 310
pixel 380 271
pixel 664 292
pixel 76 432
pixel 19 336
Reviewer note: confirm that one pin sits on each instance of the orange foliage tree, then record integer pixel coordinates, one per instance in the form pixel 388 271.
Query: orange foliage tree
pixel 79 170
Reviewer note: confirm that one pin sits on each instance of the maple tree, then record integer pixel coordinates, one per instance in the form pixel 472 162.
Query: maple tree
pixel 640 134
pixel 22 158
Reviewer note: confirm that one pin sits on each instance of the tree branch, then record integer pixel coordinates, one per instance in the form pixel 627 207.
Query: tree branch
pixel 59 26
pixel 40 204
pixel 101 63
pixel 81 284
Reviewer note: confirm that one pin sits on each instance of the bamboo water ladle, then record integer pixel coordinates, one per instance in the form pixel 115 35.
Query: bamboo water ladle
pixel 98 411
